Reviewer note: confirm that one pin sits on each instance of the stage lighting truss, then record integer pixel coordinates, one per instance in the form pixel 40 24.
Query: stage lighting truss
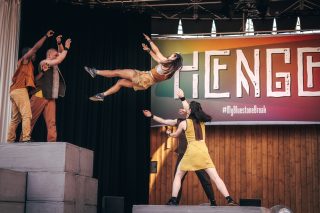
pixel 209 9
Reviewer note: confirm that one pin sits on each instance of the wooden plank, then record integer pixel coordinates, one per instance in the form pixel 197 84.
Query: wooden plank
pixel 248 158
pixel 287 168
pixel 303 170
pixel 169 172
pixel 238 162
pixel 221 157
pixel 232 186
pixel 190 189
pixel 158 157
pixel 152 185
pixel 275 143
pixel 210 145
pixel 227 158
pixel 316 168
pixel 259 163
pixel 217 160
pixel 163 180
pixel 265 201
pixel 243 164
pixel 270 166
pixel 173 164
pixel 254 149
pixel 297 168
pixel 292 169
pixel 281 162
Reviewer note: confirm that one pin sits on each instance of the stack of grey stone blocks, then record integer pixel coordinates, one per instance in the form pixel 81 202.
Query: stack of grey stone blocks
pixel 59 176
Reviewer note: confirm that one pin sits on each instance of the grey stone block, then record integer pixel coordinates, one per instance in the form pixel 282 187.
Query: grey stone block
pixel 86 162
pixel 49 207
pixel 91 191
pixel 51 186
pixel 11 207
pixel 197 209
pixel 86 193
pixel 90 209
pixel 57 156
pixel 12 185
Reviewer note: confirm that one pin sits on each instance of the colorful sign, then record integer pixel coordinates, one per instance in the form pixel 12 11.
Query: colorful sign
pixel 245 80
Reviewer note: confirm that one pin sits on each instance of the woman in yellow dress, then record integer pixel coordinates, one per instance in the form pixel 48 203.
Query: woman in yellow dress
pixel 196 156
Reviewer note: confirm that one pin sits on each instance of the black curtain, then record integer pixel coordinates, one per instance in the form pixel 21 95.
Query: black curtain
pixel 115 129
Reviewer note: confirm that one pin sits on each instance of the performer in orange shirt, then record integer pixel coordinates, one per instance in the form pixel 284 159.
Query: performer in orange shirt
pixel 22 80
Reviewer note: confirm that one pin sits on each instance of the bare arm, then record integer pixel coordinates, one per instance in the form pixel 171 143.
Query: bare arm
pixel 153 55
pixel 56 61
pixel 168 122
pixel 59 44
pixel 155 49
pixel 37 46
pixel 61 56
pixel 184 102
pixel 181 127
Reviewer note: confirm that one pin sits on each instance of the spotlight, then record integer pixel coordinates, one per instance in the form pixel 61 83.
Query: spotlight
pixel 280 209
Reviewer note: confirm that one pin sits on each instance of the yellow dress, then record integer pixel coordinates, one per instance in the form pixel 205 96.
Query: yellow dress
pixel 197 155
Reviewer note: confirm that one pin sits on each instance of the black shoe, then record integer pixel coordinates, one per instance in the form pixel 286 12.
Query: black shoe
pixel 172 202
pixel 213 203
pixel 232 203
pixel 97 97
pixel 91 71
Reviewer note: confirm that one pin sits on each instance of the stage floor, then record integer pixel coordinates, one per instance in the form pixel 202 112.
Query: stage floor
pixel 197 209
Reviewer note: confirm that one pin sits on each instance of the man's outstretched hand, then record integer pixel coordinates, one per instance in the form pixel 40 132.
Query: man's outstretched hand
pixel 50 33
pixel 68 43
pixel 147 113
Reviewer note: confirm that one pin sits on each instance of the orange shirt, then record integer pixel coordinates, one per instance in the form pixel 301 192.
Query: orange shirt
pixel 23 77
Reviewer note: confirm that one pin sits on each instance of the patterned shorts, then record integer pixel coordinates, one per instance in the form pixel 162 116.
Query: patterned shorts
pixel 142 80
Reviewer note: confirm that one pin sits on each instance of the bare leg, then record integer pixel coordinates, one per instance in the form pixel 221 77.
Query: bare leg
pixel 177 182
pixel 213 174
pixel 115 88
pixel 121 73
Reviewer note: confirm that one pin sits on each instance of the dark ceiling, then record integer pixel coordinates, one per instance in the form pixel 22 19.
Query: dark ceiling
pixel 214 9
pixel 228 15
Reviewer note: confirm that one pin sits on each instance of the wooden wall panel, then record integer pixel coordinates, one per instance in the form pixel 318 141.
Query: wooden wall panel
pixel 277 164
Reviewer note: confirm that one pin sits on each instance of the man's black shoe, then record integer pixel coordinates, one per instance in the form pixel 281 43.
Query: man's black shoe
pixel 173 201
